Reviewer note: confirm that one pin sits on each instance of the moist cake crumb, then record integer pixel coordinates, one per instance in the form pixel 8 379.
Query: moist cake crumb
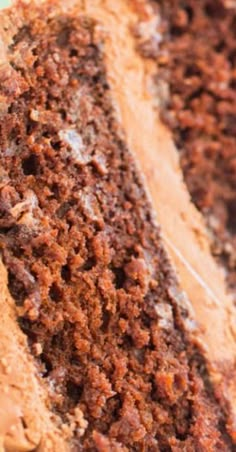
pixel 199 66
pixel 93 288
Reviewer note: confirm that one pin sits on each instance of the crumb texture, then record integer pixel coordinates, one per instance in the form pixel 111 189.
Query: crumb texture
pixel 197 59
pixel 93 289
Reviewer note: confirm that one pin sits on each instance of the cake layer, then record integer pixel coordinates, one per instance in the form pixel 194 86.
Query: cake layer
pixel 113 340
pixel 197 58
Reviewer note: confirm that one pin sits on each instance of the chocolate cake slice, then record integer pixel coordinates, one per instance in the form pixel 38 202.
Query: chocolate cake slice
pixel 115 361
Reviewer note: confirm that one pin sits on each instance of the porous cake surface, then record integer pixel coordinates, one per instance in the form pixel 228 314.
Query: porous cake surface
pixel 197 58
pixel 93 288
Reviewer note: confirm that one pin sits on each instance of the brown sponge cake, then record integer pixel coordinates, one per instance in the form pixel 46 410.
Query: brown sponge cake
pixel 197 58
pixel 109 340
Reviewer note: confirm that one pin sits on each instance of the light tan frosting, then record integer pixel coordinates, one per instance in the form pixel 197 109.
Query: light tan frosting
pixel 183 232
